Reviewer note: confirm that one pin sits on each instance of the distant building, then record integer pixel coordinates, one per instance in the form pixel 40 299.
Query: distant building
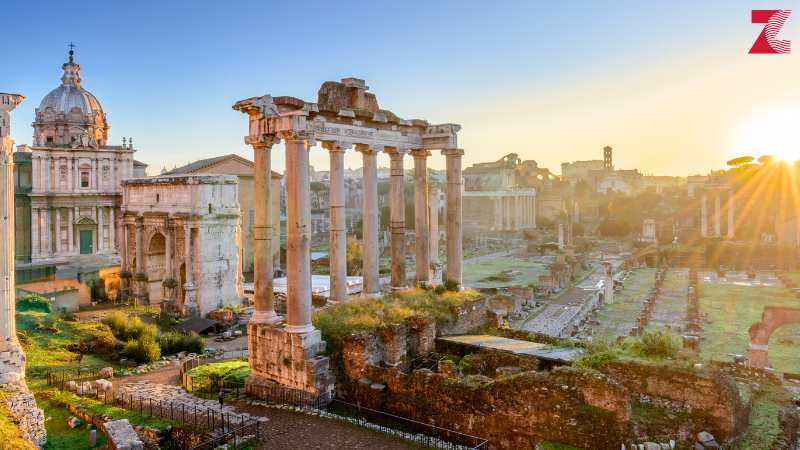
pixel 694 184
pixel 628 182
pixel 662 182
pixel 579 170
pixel 548 203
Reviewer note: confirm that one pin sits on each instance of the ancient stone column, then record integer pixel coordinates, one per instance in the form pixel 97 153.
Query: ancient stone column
pixel 338 212
pixel 517 213
pixel 70 162
pixel 421 237
pixel 608 296
pixel 497 220
pixel 703 216
pixel 169 277
pixel 398 217
pixel 370 230
pixel 454 243
pixel 100 237
pixel 730 213
pixel 140 277
pixel 298 233
pixel 561 236
pixel 434 219
pixel 124 272
pixel 263 271
pixel 716 213
pixel 189 308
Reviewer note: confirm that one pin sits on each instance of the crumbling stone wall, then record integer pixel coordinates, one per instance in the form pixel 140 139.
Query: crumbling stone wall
pixel 469 315
pixel 709 390
pixel 21 404
pixel 568 406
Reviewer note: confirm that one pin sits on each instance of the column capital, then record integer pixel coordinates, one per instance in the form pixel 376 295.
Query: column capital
pixel 169 224
pixel 453 152
pixel 261 140
pixel 336 146
pixel 139 222
pixel 396 152
pixel 369 148
pixel 420 153
pixel 296 135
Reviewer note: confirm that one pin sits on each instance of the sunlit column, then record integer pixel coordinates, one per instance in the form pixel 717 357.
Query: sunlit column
pixel 703 215
pixel 730 212
pixel 263 293
pixel 454 243
pixel 338 225
pixel 717 230
pixel 370 225
pixel 421 236
pixel 398 217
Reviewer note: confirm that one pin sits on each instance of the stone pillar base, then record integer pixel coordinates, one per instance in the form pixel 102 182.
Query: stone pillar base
pixel 288 359
pixel 758 358
pixel 190 310
pixel 436 273
pixel 12 362
pixel 371 295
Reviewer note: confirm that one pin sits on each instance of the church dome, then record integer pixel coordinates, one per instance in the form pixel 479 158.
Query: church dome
pixel 69 111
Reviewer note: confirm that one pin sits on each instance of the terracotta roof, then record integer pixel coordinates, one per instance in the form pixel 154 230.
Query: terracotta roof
pixel 196 324
pixel 203 164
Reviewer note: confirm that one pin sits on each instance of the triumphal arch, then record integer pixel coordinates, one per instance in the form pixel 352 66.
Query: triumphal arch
pixel 344 117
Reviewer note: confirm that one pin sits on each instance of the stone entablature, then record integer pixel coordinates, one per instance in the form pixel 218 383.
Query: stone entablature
pixel 157 214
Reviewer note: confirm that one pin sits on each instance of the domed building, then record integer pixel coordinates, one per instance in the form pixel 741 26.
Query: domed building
pixel 70 179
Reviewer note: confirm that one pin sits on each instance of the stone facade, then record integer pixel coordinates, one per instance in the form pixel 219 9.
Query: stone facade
pixel 157 214
pixel 549 204
pixel 74 191
pixel 245 171
pixel 21 404
pixel 579 170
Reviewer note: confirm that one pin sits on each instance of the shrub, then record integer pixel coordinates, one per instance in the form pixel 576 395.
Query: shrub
pixel 136 329
pixel 655 344
pixel 34 302
pixel 117 321
pixel 144 350
pixel 596 354
pixel 173 342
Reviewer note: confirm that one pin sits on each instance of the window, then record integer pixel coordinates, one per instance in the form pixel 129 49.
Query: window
pixel 84 179
pixel 157 198
pixel 252 219
pixel 49 138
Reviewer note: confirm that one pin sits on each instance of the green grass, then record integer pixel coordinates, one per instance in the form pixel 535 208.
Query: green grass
pixel 733 310
pixel 59 435
pixel 234 370
pixel 764 425
pixel 530 271
pixel 627 305
pixel 45 349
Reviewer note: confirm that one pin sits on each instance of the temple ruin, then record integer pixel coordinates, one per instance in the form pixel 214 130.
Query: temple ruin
pixel 344 117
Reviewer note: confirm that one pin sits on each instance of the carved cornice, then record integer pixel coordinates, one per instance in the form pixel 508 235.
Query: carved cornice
pixel 296 135
pixel 396 152
pixel 420 153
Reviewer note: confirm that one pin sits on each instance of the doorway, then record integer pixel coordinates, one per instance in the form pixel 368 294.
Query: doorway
pixel 86 242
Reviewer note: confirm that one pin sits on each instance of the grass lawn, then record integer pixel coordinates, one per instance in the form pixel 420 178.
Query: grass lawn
pixel 733 310
pixel 45 349
pixel 764 425
pixel 472 274
pixel 234 370
pixel 547 445
pixel 59 435
pixel 618 317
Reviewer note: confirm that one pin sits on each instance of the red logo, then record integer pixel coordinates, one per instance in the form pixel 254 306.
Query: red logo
pixel 766 42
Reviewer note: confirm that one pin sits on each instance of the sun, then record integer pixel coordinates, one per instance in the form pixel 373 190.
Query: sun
pixel 776 133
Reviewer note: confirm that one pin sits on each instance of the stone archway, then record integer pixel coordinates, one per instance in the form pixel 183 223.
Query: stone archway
pixel 772 318
pixel 155 267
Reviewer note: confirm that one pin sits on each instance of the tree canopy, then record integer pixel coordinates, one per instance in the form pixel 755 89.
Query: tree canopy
pixel 741 160
pixel 316 186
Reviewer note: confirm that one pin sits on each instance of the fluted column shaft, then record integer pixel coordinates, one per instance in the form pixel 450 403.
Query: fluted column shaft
pixel 454 255
pixel 298 233
pixel 7 298
pixel 112 225
pixel 264 299
pixel 139 263
pixel 397 217
pixel 370 225
pixel 100 229
pixel 434 220
pixel 188 241
pixel 57 241
pixel 338 213
pixel 421 236
pixel 123 248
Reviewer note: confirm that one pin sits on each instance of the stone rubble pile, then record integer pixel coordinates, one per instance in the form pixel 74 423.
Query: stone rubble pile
pixel 21 404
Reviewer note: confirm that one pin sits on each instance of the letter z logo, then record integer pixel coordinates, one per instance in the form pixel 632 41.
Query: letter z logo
pixel 766 42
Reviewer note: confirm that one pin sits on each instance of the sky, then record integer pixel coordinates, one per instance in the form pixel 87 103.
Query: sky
pixel 669 85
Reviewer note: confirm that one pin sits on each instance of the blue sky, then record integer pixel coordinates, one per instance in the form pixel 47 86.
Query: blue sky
pixel 669 85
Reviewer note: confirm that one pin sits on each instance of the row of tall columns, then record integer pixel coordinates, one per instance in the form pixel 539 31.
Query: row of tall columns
pixel 8 333
pixel 47 171
pixel 717 214
pixel 515 212
pixel 46 238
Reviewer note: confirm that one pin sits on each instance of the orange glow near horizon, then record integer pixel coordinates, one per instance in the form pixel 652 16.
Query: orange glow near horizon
pixel 776 133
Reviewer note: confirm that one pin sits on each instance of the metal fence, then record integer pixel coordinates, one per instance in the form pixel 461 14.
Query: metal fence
pixel 217 421
pixel 235 439
pixel 401 427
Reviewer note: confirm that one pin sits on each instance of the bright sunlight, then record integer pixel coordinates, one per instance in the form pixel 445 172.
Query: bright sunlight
pixel 777 133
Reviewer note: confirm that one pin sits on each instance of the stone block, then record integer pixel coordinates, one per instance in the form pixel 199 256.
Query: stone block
pixel 106 372
pixel 73 422
pixel 104 385
pixel 71 385
pixel 122 436
pixel 704 437
pixel 93 438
